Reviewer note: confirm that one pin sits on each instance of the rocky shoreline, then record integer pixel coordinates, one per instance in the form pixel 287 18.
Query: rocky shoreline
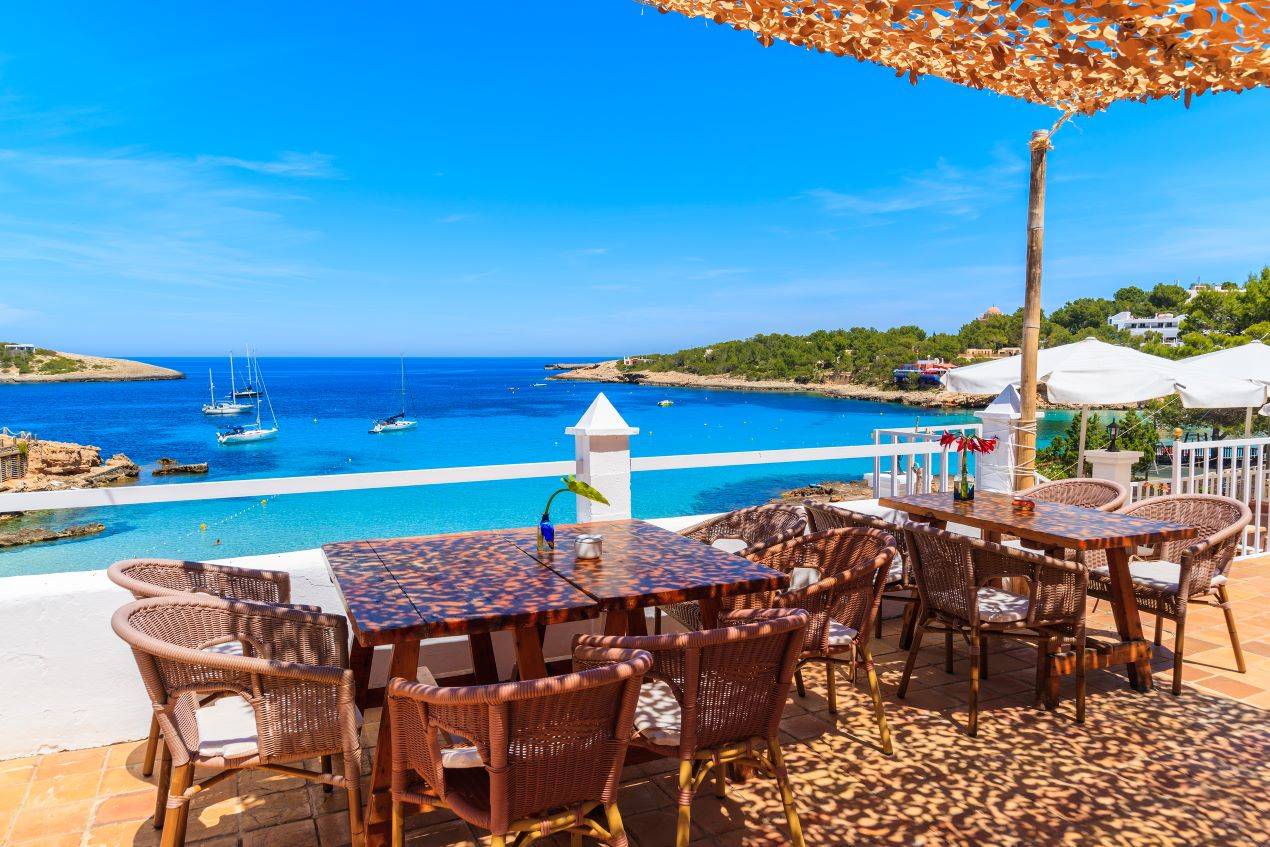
pixel 608 372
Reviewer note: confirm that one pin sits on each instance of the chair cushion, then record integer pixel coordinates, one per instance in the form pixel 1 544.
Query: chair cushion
pixel 840 635
pixel 658 715
pixel 729 545
pixel 998 606
pixel 456 751
pixel 227 729
pixel 1156 575
pixel 896 572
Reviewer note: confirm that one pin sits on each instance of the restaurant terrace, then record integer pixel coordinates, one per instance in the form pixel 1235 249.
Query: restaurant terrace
pixel 972 655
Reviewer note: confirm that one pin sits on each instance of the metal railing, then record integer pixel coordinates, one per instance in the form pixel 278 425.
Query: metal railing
pixel 1233 467
pixel 905 477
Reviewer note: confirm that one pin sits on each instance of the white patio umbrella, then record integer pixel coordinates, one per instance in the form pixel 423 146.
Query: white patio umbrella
pixel 1094 373
pixel 1250 362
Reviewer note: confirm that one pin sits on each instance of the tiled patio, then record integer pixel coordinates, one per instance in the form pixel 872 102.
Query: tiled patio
pixel 1144 770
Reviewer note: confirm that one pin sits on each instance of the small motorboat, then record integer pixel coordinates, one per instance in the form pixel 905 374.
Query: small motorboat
pixel 664 403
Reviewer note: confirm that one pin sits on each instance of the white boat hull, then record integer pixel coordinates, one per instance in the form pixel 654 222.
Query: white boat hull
pixel 225 409
pixel 246 436
pixel 395 426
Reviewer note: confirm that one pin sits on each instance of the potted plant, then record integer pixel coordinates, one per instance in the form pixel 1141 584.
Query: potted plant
pixel 964 489
pixel 547 532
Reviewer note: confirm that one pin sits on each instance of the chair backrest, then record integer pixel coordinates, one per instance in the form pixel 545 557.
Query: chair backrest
pixel 170 577
pixel 293 670
pixel 943 570
pixel 732 682
pixel 545 743
pixel 1221 521
pixel 1103 494
pixel 755 525
pixel 852 563
pixel 822 517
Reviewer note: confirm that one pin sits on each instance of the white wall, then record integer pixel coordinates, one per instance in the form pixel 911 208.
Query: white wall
pixel 67 681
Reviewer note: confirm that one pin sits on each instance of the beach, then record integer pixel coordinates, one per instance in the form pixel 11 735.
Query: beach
pixel 608 372
pixel 94 369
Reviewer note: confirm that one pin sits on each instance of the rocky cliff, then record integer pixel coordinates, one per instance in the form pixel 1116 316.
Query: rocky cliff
pixel 59 464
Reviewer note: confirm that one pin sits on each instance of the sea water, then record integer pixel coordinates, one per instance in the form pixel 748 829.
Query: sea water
pixel 468 414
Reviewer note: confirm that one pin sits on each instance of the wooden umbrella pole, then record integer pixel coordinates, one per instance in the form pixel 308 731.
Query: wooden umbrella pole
pixel 1080 450
pixel 1025 455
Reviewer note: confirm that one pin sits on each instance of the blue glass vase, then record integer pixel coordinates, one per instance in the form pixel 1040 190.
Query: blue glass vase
pixel 963 490
pixel 546 533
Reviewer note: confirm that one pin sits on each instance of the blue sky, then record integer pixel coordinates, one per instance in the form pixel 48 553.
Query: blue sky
pixel 563 178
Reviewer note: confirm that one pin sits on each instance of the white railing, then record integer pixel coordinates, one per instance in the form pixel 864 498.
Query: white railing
pixel 902 477
pixel 891 455
pixel 1232 468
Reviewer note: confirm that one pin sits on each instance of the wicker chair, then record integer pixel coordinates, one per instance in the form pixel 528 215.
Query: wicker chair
pixel 174 578
pixel 1102 494
pixel 1178 573
pixel 289 698
pixel 746 529
pixel 715 698
pixel 900 586
pixel 540 755
pixel 853 564
pixel 955 576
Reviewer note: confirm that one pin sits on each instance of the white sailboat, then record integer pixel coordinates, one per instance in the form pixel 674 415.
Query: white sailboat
pixel 223 407
pixel 249 391
pixel 399 421
pixel 254 431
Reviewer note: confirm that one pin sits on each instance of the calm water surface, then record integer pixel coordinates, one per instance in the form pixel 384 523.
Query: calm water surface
pixel 467 416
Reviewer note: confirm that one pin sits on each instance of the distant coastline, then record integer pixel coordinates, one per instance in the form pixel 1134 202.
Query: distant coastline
pixel 608 372
pixel 57 366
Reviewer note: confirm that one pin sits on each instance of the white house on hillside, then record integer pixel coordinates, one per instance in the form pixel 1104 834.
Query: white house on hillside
pixel 1165 324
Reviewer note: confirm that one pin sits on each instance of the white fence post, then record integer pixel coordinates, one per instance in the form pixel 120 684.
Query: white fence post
pixel 602 453
pixel 995 471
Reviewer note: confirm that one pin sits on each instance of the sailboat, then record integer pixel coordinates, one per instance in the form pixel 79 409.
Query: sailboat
pixel 399 421
pixel 254 431
pixel 247 390
pixel 223 407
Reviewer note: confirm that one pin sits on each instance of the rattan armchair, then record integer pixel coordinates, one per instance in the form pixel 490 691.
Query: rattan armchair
pixel 173 578
pixel 853 564
pixel 900 586
pixel 1178 573
pixel 955 580
pixel 1103 494
pixel 746 528
pixel 715 698
pixel 542 755
pixel 288 699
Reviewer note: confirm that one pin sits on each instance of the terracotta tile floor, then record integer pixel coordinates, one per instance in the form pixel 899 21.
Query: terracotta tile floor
pixel 1147 769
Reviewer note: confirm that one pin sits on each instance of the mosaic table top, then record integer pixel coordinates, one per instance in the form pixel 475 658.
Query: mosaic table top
pixel 1051 524
pixel 395 589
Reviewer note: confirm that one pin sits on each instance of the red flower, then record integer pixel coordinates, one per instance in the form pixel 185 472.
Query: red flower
pixel 967 443
pixel 947 439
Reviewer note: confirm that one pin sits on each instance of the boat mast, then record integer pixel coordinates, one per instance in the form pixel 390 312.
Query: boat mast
pixel 211 386
pixel 233 388
pixel 403 385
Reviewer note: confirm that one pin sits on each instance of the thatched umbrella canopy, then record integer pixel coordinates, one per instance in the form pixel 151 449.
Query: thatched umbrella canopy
pixel 1078 56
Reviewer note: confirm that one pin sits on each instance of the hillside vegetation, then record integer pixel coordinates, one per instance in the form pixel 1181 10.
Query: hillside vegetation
pixel 1222 318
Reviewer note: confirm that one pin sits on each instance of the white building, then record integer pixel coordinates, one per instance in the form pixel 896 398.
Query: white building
pixel 1165 324
pixel 19 349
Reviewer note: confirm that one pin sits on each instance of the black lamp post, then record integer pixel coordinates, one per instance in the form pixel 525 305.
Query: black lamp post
pixel 1113 430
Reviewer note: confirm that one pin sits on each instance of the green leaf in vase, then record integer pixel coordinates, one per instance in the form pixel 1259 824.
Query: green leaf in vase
pixel 582 489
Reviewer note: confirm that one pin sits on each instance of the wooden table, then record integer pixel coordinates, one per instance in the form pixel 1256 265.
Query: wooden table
pixel 398 591
pixel 1056 526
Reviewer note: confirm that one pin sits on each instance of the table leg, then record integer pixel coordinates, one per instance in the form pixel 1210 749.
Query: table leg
pixel 405 663
pixel 484 666
pixel 637 622
pixel 529 659
pixel 616 622
pixel 709 612
pixel 359 662
pixel 992 536
pixel 1125 610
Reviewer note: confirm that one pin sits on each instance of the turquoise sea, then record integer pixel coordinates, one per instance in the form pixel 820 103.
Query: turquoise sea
pixel 467 415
